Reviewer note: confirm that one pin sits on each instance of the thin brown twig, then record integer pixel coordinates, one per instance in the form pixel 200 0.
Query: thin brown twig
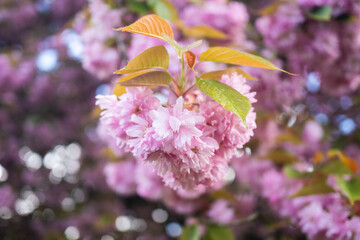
pixel 188 90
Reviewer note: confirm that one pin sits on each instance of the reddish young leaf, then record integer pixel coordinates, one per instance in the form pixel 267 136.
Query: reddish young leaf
pixel 318 157
pixel 190 59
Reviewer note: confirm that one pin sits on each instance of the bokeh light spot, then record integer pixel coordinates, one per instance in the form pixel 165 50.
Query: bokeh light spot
pixel 313 82
pixel 159 215
pixel 72 233
pixel 47 60
pixel 173 229
pixel 347 126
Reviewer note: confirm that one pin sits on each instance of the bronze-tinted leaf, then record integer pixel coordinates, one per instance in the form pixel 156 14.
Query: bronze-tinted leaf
pixel 119 90
pixel 317 185
pixel 218 74
pixel 150 78
pixel 280 156
pixel 349 162
pixel 203 31
pixel 150 25
pixel 155 57
pixel 232 56
pixel 190 232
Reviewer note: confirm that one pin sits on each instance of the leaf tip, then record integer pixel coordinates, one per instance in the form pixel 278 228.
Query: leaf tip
pixel 292 74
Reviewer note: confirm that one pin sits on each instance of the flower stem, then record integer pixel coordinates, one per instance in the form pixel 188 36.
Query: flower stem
pixel 182 74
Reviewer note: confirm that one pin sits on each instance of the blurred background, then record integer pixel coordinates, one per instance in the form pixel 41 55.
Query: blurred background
pixel 61 179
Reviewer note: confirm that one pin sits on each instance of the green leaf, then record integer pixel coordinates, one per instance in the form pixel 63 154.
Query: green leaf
pixel 280 156
pixel 110 42
pixel 232 56
pixel 289 136
pixel 138 6
pixel 149 78
pixel 335 167
pixel 351 187
pixel 228 97
pixel 317 185
pixel 322 13
pixel 154 57
pixel 190 233
pixel 271 8
pixel 293 173
pixel 164 9
pixel 110 3
pixel 348 161
pixel 217 232
pixel 223 194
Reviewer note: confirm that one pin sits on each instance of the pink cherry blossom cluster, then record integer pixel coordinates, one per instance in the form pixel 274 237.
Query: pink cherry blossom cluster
pixel 319 216
pixel 14 78
pixel 189 143
pixel 99 59
pixel 132 176
pixel 329 48
pixel 325 216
